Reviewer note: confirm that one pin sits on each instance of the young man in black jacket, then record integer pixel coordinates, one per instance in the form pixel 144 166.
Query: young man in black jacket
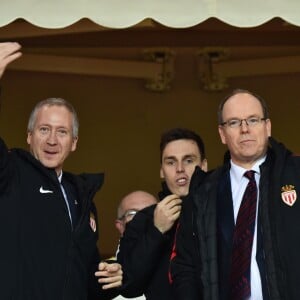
pixel 47 217
pixel 208 239
pixel 146 245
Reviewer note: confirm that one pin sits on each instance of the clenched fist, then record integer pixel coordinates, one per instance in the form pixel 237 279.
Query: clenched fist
pixel 167 212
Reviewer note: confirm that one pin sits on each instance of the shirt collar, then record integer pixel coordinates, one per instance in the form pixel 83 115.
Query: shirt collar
pixel 237 172
pixel 60 176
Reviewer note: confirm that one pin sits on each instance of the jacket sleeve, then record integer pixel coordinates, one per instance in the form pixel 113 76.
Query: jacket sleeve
pixel 184 261
pixel 140 249
pixel 95 290
pixel 5 171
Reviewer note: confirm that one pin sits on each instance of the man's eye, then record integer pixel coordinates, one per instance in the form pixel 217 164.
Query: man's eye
pixel 44 130
pixel 233 123
pixel 189 161
pixel 170 162
pixel 62 132
pixel 252 121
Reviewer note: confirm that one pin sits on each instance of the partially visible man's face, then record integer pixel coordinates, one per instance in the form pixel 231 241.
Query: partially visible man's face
pixel 51 140
pixel 246 143
pixel 179 159
pixel 130 205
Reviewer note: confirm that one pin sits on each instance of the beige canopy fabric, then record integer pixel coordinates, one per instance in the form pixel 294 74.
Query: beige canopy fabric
pixel 123 14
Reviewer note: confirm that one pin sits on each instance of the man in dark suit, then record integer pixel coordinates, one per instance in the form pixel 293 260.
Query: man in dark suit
pixel 208 253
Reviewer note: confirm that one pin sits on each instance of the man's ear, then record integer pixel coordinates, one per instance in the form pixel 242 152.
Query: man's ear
pixel 120 227
pixel 222 135
pixel 74 144
pixel 161 173
pixel 29 134
pixel 268 124
pixel 204 165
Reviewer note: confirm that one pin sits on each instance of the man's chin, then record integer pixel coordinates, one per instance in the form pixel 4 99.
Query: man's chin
pixel 182 192
pixel 48 164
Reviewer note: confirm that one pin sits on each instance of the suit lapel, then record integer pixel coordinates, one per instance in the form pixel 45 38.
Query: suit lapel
pixel 225 209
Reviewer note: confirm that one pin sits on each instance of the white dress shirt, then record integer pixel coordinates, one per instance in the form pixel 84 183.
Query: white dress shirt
pixel 122 298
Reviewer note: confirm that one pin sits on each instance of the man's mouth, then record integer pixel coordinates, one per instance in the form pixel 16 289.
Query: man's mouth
pixel 182 181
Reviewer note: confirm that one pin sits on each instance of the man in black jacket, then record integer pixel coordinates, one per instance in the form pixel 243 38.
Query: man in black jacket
pixel 203 265
pixel 146 245
pixel 127 209
pixel 47 218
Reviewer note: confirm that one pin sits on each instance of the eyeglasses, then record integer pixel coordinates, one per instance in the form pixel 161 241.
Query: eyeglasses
pixel 251 122
pixel 128 215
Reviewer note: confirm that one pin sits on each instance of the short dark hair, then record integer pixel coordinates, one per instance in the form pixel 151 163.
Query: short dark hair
pixel 181 134
pixel 242 91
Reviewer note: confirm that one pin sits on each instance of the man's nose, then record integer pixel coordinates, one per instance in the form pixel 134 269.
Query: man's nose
pixel 52 138
pixel 244 126
pixel 180 167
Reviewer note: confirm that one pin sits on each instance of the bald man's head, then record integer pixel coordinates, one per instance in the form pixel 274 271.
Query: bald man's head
pixel 130 204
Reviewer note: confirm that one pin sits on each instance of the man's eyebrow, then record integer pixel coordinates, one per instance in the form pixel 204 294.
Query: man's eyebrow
pixel 185 156
pixel 190 155
pixel 170 157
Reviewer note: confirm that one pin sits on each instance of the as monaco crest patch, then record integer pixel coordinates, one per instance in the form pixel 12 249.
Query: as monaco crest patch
pixel 288 195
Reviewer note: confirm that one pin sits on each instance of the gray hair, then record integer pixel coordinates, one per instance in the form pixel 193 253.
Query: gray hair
pixel 53 102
